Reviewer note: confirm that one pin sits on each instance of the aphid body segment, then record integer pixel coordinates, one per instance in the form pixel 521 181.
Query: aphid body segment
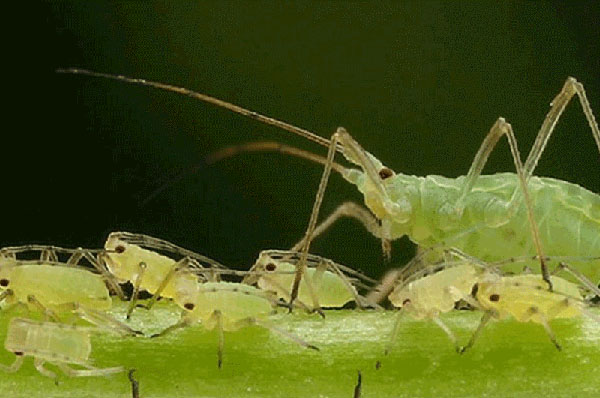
pixel 55 286
pixel 56 343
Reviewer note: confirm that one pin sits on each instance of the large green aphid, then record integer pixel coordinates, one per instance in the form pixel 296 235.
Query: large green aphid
pixel 228 306
pixel 135 258
pixel 56 343
pixel 484 216
pixel 332 287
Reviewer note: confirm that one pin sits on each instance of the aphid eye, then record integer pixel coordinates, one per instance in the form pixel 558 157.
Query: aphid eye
pixel 385 173
pixel 494 297
pixel 18 353
pixel 189 306
pixel 405 302
pixel 4 282
pixel 270 267
pixel 120 249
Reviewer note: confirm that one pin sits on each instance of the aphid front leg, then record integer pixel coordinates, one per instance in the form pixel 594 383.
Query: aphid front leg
pixel 136 288
pixel 181 265
pixel 16 365
pixel 487 315
pixel 39 365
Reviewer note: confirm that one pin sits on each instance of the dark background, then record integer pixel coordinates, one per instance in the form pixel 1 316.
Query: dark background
pixel 418 84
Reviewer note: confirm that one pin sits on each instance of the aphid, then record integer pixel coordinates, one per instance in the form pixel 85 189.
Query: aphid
pixel 134 258
pixel 227 306
pixel 332 288
pixel 55 287
pixel 426 297
pixel 55 343
pixel 526 299
pixel 480 215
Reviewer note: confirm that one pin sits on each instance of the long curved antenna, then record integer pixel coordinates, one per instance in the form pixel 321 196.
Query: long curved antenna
pixel 208 99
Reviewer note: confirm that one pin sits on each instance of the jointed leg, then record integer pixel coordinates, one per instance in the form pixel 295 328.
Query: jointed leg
pixel 448 332
pixel 218 317
pixel 39 365
pixel 542 319
pixel 48 314
pixel 15 366
pixel 136 288
pixel 275 329
pixel 103 320
pixel 579 276
pixel 90 371
pixel 484 320
pixel 312 225
pixel 499 129
pixel 108 277
pixel 184 262
pixel 394 334
pixel 48 255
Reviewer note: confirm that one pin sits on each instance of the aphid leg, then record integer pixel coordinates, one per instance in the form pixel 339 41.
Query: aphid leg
pixel 39 365
pixel 557 106
pixel 185 322
pixel 499 129
pixel 350 209
pixel 90 371
pixel 394 334
pixel 16 365
pixel 136 288
pixel 312 223
pixel 448 332
pixel 103 320
pixel 579 276
pixel 75 258
pixel 48 313
pixel 48 254
pixel 218 316
pixel 275 329
pixel 361 301
pixel 487 315
pixel 183 263
pixel 385 287
pixel 99 264
pixel 542 319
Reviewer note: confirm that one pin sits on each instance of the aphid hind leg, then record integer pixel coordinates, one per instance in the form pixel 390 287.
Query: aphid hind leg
pixel 136 289
pixel 218 319
pixel 394 333
pixel 48 313
pixel 500 128
pixel 15 366
pixel 544 322
pixel 437 320
pixel 312 223
pixel 108 277
pixel 103 320
pixel 487 315
pixel 562 266
pixel 90 371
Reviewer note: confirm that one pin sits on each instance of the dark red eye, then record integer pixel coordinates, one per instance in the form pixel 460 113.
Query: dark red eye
pixel 270 267
pixel 494 297
pixel 385 173
pixel 120 249
pixel 405 302
pixel 18 353
pixel 4 282
pixel 189 306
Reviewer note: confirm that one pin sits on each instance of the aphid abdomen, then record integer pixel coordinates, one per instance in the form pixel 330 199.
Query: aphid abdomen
pixel 49 341
pixel 54 285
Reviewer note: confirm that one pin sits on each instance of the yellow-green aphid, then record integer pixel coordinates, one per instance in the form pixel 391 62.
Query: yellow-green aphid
pixel 57 288
pixel 526 298
pixel 484 216
pixel 228 306
pixel 56 343
pixel 134 258
pixel 429 296
pixel 332 288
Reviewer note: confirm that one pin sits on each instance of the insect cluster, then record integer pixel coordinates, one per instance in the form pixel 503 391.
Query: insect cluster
pixel 466 228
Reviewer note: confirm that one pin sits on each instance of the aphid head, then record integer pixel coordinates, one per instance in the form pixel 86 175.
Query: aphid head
pixel 383 196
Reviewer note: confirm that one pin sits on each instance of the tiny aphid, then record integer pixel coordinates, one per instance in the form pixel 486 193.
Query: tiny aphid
pixel 331 286
pixel 526 299
pixel 56 343
pixel 228 306
pixel 55 288
pixel 480 215
pixel 134 258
